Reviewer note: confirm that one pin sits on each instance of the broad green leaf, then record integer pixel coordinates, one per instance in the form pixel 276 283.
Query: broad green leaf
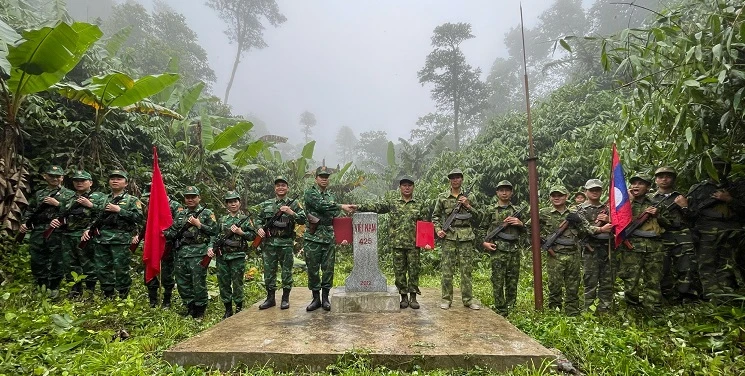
pixel 67 347
pixel 565 45
pixel 230 136
pixel 737 99
pixel 251 151
pixel 307 152
pixel 277 156
pixel 144 87
pixel 150 108
pixel 689 135
pixel 692 83
pixel 78 93
pixel 708 166
pixel 302 165
pixel 717 52
pixel 114 43
pixel 8 36
pixel 189 98
pixel 207 132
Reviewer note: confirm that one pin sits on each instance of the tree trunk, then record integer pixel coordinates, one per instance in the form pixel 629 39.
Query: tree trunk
pixel 232 74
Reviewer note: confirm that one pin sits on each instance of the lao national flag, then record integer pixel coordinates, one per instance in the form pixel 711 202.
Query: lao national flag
pixel 158 219
pixel 620 209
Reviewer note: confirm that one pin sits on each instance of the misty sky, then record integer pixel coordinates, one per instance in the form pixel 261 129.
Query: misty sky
pixel 349 62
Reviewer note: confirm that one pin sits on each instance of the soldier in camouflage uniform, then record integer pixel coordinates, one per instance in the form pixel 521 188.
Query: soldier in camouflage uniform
pixel 47 261
pixel 679 264
pixel 579 198
pixel 235 230
pixel 597 257
pixel 167 262
pixel 278 235
pixel 641 267
pixel 457 245
pixel 564 258
pixel 79 215
pixel 111 246
pixel 504 248
pixel 320 253
pixel 191 247
pixel 405 211
pixel 718 222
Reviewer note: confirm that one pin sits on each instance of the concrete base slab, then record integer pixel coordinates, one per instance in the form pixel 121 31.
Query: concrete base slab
pixel 355 302
pixel 296 340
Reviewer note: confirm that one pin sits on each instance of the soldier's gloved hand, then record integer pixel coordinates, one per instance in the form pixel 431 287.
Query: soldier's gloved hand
pixel 23 228
pixel 210 252
pixel 489 246
pixel 261 232
pixel 195 222
pixel 236 230
pixel 55 223
pixel 86 236
pixel 84 201
pixel 51 201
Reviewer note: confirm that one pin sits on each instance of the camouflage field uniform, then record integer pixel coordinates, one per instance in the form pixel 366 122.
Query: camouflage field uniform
pixel 80 261
pixel 231 258
pixel 277 247
pixel 402 239
pixel 641 267
pixel 457 246
pixel 320 254
pixel 679 265
pixel 191 278
pixel 505 261
pixel 564 269
pixel 719 227
pixel 111 254
pixel 599 265
pixel 47 259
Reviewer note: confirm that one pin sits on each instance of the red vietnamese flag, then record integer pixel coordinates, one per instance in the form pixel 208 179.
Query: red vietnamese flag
pixel 158 219
pixel 620 205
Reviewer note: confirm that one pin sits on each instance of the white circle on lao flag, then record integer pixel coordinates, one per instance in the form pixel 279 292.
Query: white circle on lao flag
pixel 617 196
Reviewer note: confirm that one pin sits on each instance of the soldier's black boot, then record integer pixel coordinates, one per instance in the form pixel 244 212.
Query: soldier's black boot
pixel 167 293
pixel 228 310
pixel 124 293
pixel 238 306
pixel 75 291
pixel 412 301
pixel 198 311
pixel 404 301
pixel 325 300
pixel 152 295
pixel 315 303
pixel 269 302
pixel 108 294
pixel 285 299
pixel 189 310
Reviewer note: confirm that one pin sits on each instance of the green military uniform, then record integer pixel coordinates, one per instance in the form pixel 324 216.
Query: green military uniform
pixel 564 267
pixel 167 263
pixel 599 261
pixel 47 259
pixel 277 246
pixel 231 256
pixel 111 246
pixel 457 246
pixel 79 217
pixel 320 254
pixel 641 267
pixel 505 260
pixel 402 239
pixel 190 248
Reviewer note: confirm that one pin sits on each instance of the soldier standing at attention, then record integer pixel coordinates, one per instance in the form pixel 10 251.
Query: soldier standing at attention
pixel 320 254
pixel 80 214
pixel 190 247
pixel 47 263
pixel 231 256
pixel 277 245
pixel 598 261
pixel 679 264
pixel 641 267
pixel 405 211
pixel 111 252
pixel 504 249
pixel 564 256
pixel 457 246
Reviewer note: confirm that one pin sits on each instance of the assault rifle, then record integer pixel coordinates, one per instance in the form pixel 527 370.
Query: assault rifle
pixel 635 224
pixel 603 210
pixel 176 243
pixel 140 235
pixel 517 214
pixel 456 210
pixel 63 217
pixel 258 239
pixel 312 222
pixel 102 217
pixel 572 218
pixel 220 242
pixel 30 221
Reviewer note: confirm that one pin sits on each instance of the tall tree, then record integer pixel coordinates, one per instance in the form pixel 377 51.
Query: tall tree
pixel 372 150
pixel 245 29
pixel 346 143
pixel 457 87
pixel 307 122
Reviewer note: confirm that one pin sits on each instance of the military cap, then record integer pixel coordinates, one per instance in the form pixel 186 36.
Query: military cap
pixel 280 178
pixel 54 170
pixel 81 175
pixel 559 188
pixel 580 193
pixel 642 177
pixel 593 183
pixel 191 190
pixel 323 170
pixel 454 172
pixel 504 183
pixel 121 173
pixel 406 179
pixel 666 170
pixel 231 195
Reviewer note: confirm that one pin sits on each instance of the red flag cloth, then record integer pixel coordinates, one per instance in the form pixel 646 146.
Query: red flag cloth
pixel 342 229
pixel 425 234
pixel 158 219
pixel 620 208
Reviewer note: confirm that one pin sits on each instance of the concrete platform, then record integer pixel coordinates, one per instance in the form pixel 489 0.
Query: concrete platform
pixel 294 339
pixel 365 302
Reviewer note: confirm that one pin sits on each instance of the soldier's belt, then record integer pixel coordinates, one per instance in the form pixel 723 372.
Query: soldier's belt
pixel 601 236
pixel 564 241
pixel 644 234
pixel 507 237
pixel 463 216
pixel 233 243
pixel 280 224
